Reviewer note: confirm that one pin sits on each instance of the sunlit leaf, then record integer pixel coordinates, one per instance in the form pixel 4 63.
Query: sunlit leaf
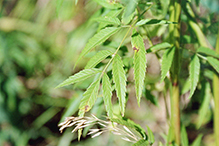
pixel 119 79
pixel 197 141
pixel 159 47
pixel 153 21
pixel 214 63
pixel 207 51
pixel 184 137
pixel 194 71
pixel 108 4
pixel 58 5
pixel 97 39
pixel 150 136
pixel 107 95
pixel 139 63
pixel 80 76
pixel 129 11
pixel 89 97
pixel 108 20
pixel 97 58
pixel 205 104
pixel 141 142
pixel 166 62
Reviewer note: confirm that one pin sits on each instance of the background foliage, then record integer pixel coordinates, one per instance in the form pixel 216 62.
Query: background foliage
pixel 40 41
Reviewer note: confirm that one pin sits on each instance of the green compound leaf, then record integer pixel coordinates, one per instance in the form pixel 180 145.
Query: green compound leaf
pixel 166 62
pixel 130 124
pixel 194 71
pixel 214 63
pixel 205 104
pixel 80 76
pixel 153 21
pixel 107 94
pixel 141 142
pixel 207 51
pixel 139 64
pixel 97 39
pixel 109 4
pixel 119 79
pixel 108 20
pixel 89 98
pixel 159 47
pixel 184 136
pixel 97 58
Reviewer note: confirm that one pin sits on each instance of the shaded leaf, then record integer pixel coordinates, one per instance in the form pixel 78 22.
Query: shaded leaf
pixel 89 98
pixel 207 51
pixel 129 11
pixel 141 142
pixel 166 62
pixel 184 137
pixel 197 141
pixel 151 97
pixel 97 58
pixel 107 20
pixel 205 104
pixel 153 21
pixel 159 47
pixel 119 79
pixel 150 136
pixel 97 39
pixel 194 71
pixel 130 124
pixel 139 63
pixel 80 76
pixel 108 4
pixel 214 63
pixel 107 94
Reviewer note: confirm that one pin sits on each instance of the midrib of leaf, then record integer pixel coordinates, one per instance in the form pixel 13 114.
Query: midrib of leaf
pixel 194 74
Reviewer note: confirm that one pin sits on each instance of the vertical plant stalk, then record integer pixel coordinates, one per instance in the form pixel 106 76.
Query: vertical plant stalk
pixel 216 99
pixel 175 11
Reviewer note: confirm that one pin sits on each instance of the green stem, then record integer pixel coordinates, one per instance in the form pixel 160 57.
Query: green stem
pixel 175 11
pixel 216 99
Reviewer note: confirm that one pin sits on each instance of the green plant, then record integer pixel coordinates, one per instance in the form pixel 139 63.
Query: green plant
pixel 123 23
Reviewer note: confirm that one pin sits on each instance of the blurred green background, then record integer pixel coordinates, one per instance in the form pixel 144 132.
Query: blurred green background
pixel 38 49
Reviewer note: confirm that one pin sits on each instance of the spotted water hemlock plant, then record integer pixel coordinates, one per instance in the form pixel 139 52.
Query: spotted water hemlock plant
pixel 110 65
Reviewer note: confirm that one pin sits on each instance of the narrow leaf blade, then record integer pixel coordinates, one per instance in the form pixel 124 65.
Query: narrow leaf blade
pixel 197 141
pixel 207 51
pixel 97 39
pixel 108 20
pixel 119 79
pixel 107 94
pixel 194 71
pixel 184 137
pixel 159 47
pixel 108 4
pixel 153 21
pixel 97 58
pixel 129 11
pixel 58 5
pixel 214 63
pixel 150 136
pixel 141 142
pixel 80 76
pixel 139 64
pixel 166 62
pixel 89 98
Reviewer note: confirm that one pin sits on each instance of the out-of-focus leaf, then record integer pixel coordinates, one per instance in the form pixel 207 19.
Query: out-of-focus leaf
pixel 207 51
pixel 119 79
pixel 108 20
pixel 197 141
pixel 214 63
pixel 151 97
pixel 107 94
pixel 58 5
pixel 141 142
pixel 97 39
pixel 80 76
pixel 97 58
pixel 159 47
pixel 109 4
pixel 153 21
pixel 150 136
pixel 184 137
pixel 139 63
pixel 186 87
pixel 205 104
pixel 166 62
pixel 130 124
pixel 89 98
pixel 194 71
pixel 129 11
